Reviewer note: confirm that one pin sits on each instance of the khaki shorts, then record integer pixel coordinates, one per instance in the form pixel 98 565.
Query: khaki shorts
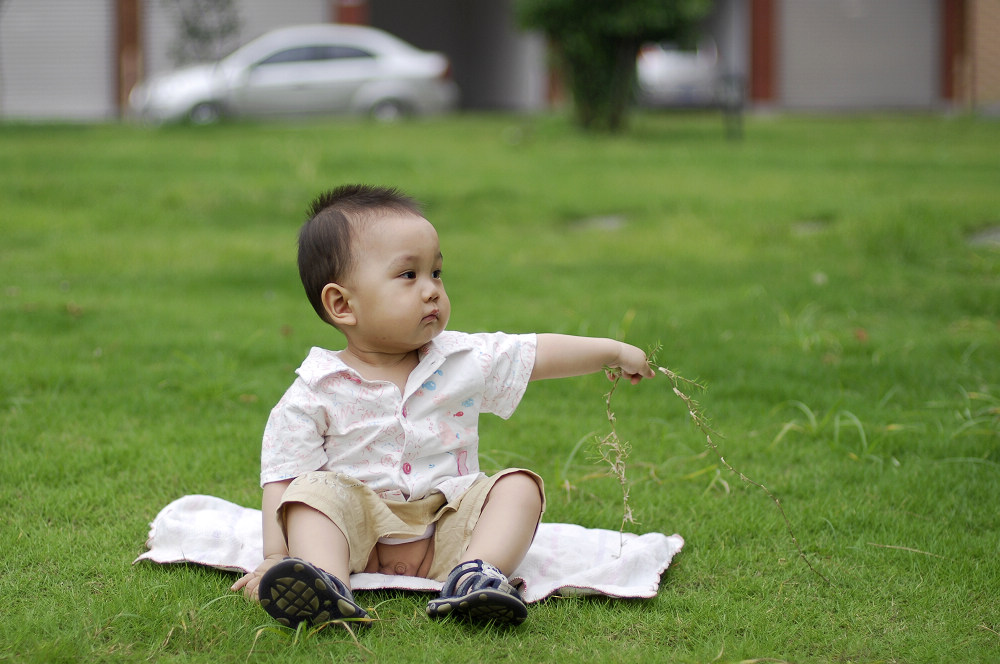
pixel 364 517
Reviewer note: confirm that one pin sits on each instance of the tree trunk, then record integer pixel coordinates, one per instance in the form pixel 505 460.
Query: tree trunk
pixel 601 77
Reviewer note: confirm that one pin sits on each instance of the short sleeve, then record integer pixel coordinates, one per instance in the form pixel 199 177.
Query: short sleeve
pixel 293 437
pixel 507 361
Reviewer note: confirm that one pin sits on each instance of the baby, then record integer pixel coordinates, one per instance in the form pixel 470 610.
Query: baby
pixel 369 461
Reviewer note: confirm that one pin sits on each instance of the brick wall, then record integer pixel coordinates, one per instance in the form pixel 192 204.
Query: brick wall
pixel 982 76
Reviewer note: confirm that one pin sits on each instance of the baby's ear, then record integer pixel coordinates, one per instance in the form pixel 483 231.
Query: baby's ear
pixel 337 302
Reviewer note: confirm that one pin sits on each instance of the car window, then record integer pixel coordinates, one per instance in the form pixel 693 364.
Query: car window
pixel 297 54
pixel 315 53
pixel 337 52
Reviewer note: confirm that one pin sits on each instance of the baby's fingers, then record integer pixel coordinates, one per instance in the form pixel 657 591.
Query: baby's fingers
pixel 639 372
pixel 248 584
pixel 635 378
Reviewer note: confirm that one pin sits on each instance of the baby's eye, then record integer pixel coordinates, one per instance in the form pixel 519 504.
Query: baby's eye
pixel 409 274
pixel 436 274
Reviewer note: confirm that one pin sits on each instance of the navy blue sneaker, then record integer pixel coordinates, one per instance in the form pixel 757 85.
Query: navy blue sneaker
pixel 294 591
pixel 479 591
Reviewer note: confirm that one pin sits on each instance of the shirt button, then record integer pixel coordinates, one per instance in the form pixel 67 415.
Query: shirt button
pixel 407 468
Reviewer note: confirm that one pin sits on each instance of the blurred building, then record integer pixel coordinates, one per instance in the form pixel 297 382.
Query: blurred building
pixel 870 54
pixel 77 59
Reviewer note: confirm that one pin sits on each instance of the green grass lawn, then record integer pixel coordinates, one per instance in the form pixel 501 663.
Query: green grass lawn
pixel 816 277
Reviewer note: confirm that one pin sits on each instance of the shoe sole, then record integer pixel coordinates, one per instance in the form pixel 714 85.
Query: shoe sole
pixel 486 605
pixel 298 593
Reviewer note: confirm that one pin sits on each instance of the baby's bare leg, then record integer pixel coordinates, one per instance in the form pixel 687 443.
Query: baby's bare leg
pixel 313 537
pixel 507 524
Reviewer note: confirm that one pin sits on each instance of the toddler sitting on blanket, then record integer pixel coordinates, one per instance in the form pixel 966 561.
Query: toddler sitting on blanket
pixel 369 461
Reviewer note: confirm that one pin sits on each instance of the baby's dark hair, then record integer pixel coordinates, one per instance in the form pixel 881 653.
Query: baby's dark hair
pixel 326 240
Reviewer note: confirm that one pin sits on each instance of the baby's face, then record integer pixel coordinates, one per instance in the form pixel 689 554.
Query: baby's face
pixel 397 293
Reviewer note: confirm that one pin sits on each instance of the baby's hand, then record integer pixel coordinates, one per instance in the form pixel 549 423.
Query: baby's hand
pixel 249 583
pixel 633 364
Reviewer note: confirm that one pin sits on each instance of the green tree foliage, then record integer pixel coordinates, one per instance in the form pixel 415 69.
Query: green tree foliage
pixel 597 42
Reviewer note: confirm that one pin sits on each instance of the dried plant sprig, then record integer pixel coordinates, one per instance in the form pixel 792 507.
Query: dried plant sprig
pixel 614 451
pixel 694 410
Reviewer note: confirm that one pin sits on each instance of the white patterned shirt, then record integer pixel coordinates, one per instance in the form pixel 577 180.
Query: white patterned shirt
pixel 402 446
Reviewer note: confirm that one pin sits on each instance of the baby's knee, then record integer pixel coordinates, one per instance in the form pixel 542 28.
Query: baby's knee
pixel 520 488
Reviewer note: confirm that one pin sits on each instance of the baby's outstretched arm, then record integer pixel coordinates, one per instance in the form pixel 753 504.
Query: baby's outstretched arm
pixel 561 356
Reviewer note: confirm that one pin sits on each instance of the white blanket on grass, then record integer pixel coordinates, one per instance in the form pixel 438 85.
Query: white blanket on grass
pixel 564 559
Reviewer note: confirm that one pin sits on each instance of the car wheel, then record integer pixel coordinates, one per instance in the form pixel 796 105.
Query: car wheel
pixel 205 113
pixel 389 110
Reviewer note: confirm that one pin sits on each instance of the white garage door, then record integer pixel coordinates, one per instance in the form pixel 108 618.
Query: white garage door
pixel 859 53
pixel 57 59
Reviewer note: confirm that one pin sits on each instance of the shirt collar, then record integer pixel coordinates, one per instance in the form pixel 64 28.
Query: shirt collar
pixel 321 363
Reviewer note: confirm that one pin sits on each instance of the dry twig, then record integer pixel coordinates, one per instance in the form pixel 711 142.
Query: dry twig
pixel 615 452
pixel 906 548
pixel 699 421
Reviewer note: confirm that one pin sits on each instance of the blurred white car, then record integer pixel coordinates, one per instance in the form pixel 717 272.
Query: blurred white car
pixel 668 76
pixel 301 70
